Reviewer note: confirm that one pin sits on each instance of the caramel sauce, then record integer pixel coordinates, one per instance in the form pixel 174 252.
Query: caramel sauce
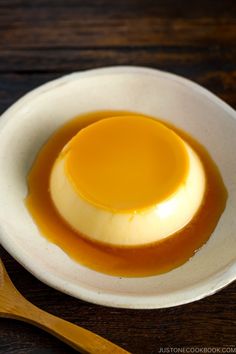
pixel 155 258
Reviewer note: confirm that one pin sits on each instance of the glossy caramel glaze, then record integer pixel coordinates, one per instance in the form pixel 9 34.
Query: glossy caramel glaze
pixel 140 152
pixel 140 261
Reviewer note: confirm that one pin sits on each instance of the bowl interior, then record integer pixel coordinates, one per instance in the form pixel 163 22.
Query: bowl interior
pixel 30 122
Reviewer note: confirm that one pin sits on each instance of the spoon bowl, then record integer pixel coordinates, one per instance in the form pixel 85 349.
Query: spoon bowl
pixel 14 305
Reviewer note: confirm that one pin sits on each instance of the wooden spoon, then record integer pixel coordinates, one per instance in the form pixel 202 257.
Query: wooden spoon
pixel 14 305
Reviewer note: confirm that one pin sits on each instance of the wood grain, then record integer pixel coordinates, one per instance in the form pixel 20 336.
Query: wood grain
pixel 68 28
pixel 105 23
pixel 41 40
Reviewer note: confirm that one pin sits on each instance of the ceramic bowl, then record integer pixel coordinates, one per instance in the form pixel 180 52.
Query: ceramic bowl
pixel 25 127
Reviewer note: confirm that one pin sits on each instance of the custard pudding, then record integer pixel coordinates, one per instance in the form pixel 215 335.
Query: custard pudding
pixel 127 181
pixel 115 259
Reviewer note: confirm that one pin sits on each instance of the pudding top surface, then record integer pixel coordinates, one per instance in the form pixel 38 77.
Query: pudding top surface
pixel 126 163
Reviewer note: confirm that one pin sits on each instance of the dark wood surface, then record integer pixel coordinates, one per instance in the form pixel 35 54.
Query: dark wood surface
pixel 41 40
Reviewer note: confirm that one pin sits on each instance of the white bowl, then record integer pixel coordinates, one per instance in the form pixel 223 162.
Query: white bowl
pixel 31 120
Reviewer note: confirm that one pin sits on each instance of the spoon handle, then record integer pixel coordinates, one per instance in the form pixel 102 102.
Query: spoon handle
pixel 73 335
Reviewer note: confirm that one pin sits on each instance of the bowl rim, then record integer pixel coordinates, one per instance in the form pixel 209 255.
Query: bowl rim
pixel 189 294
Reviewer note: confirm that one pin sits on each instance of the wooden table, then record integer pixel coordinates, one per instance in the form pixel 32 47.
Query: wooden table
pixel 41 40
